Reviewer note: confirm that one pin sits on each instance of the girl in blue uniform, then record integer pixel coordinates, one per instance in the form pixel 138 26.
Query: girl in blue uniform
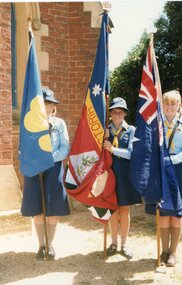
pixel 170 223
pixel 55 194
pixel 120 136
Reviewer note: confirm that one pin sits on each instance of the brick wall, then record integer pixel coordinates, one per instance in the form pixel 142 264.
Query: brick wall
pixel 55 15
pixel 82 46
pixel 71 45
pixel 5 85
pixel 16 162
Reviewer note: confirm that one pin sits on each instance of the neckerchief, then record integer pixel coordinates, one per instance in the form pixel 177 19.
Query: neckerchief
pixel 116 134
pixel 170 127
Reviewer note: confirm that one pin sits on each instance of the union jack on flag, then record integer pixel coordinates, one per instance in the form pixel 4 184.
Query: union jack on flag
pixel 148 89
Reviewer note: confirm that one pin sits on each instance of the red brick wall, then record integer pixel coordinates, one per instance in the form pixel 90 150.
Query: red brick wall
pixel 55 15
pixel 71 45
pixel 82 46
pixel 5 85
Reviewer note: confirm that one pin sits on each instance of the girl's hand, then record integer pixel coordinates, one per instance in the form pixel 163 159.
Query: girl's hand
pixel 64 162
pixel 107 145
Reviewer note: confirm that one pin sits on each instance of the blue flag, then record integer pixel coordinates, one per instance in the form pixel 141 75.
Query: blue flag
pixel 151 170
pixel 35 152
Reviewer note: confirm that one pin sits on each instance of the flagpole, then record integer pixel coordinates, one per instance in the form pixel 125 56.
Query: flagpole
pixel 105 225
pixel 106 7
pixel 159 97
pixel 44 215
pixel 157 208
pixel 158 235
pixel 30 33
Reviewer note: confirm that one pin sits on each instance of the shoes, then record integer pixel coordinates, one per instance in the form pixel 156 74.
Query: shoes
pixel 41 253
pixel 124 252
pixel 164 257
pixel 171 262
pixel 112 250
pixel 51 253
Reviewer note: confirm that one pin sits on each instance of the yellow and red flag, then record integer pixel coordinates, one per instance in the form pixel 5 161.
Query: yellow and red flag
pixel 89 177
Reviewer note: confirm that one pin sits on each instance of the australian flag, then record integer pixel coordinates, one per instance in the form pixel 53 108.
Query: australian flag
pixel 151 170
pixel 89 178
pixel 35 145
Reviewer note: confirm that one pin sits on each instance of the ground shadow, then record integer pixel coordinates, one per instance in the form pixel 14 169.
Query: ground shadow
pixel 18 266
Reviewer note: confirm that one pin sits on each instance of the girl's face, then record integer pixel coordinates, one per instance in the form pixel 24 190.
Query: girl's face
pixel 117 116
pixel 170 108
pixel 50 108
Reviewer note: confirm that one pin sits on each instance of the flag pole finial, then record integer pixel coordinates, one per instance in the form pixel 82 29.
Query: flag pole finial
pixel 151 30
pixel 106 6
pixel 29 20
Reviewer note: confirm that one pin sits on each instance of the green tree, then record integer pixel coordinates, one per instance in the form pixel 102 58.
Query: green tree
pixel 168 46
pixel 126 79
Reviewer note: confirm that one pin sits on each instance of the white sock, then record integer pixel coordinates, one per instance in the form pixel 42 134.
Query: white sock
pixel 114 240
pixel 123 241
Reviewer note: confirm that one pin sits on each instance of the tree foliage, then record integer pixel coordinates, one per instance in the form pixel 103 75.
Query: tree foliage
pixel 126 79
pixel 168 46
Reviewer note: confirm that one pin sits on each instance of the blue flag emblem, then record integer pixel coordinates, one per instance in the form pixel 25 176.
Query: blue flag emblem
pixel 35 150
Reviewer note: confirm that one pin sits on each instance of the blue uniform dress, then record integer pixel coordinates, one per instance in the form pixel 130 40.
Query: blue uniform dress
pixel 55 194
pixel 126 194
pixel 175 152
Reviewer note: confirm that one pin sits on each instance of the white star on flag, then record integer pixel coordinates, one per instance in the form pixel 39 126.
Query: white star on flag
pixel 135 139
pixel 96 89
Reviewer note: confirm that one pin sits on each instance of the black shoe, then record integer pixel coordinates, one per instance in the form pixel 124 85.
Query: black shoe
pixel 164 257
pixel 112 250
pixel 41 253
pixel 124 252
pixel 51 253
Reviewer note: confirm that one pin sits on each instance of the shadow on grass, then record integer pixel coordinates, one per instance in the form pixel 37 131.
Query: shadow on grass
pixel 90 269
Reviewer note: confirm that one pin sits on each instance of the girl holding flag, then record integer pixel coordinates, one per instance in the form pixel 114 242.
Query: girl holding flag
pixel 56 202
pixel 171 221
pixel 120 136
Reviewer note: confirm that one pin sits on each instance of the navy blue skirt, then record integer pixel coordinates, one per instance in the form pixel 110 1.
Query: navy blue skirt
pixel 55 195
pixel 126 194
pixel 151 208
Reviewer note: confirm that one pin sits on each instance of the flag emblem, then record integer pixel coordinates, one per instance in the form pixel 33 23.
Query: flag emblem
pixel 35 151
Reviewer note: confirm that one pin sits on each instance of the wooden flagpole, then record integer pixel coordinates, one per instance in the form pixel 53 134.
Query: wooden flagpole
pixel 159 93
pixel 105 240
pixel 105 225
pixel 106 7
pixel 29 19
pixel 158 235
pixel 44 215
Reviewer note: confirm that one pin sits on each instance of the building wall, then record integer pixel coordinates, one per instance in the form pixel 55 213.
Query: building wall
pixel 6 146
pixel 66 45
pixel 71 44
pixel 82 44
pixel 10 196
